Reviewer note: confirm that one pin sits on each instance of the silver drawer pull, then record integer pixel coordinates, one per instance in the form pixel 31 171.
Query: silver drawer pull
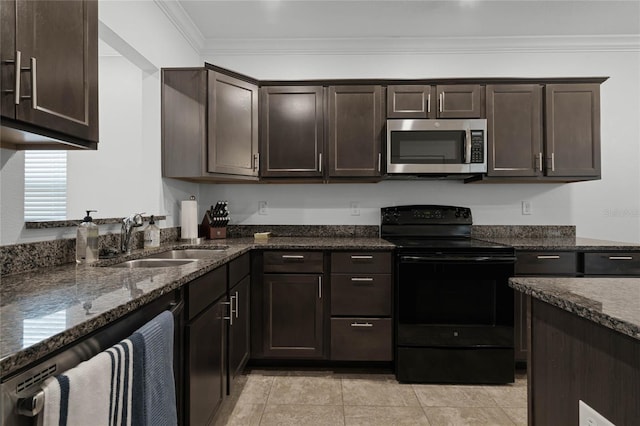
pixel 620 257
pixel 359 324
pixel 292 256
pixel 361 257
pixel 548 257
pixel 360 279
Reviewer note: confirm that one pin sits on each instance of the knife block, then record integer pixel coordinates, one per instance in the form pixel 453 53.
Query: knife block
pixel 212 232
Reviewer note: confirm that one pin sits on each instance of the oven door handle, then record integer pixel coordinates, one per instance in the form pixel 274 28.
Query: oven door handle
pixel 432 259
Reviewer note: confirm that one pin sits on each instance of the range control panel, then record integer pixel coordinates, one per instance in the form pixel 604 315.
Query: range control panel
pixel 425 215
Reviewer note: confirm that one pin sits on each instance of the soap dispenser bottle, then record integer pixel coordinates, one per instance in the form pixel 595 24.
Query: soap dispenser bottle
pixel 87 240
pixel 152 234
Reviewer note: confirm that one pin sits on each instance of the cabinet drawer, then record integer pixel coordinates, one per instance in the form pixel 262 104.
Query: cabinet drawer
pixel 205 290
pixel 546 263
pixel 293 261
pixel 361 339
pixel 361 262
pixel 612 263
pixel 239 268
pixel 361 295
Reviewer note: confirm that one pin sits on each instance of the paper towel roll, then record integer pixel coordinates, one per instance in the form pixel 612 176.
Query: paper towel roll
pixel 189 219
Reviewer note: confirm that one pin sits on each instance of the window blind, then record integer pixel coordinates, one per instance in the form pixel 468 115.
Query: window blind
pixel 45 185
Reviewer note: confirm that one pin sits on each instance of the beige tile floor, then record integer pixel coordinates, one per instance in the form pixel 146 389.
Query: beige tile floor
pixel 318 397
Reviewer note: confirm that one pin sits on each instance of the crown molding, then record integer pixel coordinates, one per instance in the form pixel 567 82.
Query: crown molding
pixel 183 23
pixel 415 45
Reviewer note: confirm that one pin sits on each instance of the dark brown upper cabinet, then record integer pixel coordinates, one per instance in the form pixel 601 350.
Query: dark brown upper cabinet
pixel 460 101
pixel 49 74
pixel 514 126
pixel 572 130
pixel 291 131
pixel 409 101
pixel 440 101
pixel 355 131
pixel 209 125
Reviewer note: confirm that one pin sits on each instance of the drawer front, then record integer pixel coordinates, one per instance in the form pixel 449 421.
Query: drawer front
pixel 612 263
pixel 205 290
pixel 293 261
pixel 361 294
pixel 239 268
pixel 378 262
pixel 361 339
pixel 547 263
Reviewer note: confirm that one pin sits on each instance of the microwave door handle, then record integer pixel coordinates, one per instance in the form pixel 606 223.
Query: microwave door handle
pixel 467 146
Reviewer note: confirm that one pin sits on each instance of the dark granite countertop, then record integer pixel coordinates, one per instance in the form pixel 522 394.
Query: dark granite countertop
pixel 81 298
pixel 612 302
pixel 563 243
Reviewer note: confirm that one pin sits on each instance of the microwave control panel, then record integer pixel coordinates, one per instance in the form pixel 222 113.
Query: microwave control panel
pixel 477 146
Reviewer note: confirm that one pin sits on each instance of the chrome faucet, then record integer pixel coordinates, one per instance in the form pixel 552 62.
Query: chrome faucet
pixel 126 231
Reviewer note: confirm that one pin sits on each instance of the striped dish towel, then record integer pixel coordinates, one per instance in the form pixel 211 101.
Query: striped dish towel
pixel 129 384
pixel 96 392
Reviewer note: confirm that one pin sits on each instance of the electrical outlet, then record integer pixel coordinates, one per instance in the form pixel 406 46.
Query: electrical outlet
pixel 355 208
pixel 587 416
pixel 262 208
pixel 526 207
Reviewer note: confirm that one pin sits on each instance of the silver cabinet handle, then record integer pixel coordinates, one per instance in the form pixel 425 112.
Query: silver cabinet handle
pixel 429 103
pixel 360 257
pixel 548 257
pixel 320 287
pixel 540 160
pixel 360 324
pixel 441 99
pixel 237 298
pixel 361 279
pixel 320 162
pixel 379 161
pixel 34 84
pixel 553 162
pixel 292 256
pixel 16 94
pixel 620 257
pixel 230 317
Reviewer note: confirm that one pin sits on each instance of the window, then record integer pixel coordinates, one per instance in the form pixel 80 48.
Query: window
pixel 45 185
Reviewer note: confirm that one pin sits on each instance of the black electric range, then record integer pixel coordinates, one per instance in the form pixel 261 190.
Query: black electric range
pixel 453 306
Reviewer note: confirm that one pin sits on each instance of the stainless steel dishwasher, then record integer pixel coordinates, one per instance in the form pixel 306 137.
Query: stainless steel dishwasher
pixel 22 397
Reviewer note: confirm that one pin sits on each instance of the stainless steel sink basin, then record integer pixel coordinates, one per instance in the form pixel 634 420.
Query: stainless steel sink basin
pixel 153 263
pixel 188 253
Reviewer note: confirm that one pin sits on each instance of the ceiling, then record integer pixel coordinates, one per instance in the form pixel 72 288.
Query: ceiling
pixel 308 19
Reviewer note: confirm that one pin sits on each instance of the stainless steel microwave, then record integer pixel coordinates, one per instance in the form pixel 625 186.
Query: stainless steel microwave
pixel 446 146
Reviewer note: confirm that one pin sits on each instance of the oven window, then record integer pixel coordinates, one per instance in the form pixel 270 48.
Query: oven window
pixel 427 147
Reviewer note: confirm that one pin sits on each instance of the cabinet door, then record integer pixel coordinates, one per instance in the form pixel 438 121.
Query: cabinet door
pixel 572 117
pixel 239 329
pixel 293 315
pixel 58 42
pixel 205 369
pixel 514 124
pixel 291 129
pixel 233 125
pixel 408 101
pixel 355 131
pixel 460 101
pixel 7 58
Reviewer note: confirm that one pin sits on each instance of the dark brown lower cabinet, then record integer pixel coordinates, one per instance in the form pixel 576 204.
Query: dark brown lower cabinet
pixel 575 359
pixel 293 318
pixel 361 339
pixel 206 371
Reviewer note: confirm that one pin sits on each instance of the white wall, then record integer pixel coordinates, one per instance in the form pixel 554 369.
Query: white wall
pixel 123 176
pixel 608 208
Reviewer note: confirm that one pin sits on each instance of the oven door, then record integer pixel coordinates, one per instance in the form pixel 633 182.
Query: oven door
pixel 454 300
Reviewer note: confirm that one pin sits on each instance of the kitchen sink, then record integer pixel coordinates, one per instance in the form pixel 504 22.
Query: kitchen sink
pixel 188 253
pixel 153 263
